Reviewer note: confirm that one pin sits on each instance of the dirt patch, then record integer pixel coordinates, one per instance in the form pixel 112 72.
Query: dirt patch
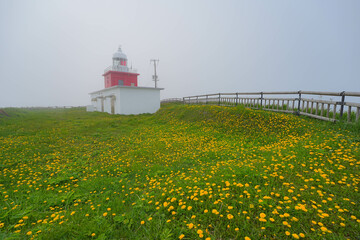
pixel 3 113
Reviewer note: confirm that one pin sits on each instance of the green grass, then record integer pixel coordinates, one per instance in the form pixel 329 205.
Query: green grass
pixel 187 171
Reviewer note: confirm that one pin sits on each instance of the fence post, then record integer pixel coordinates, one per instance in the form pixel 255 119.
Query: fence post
pixel 261 99
pixel 342 94
pixel 197 99
pixel 219 99
pixel 236 100
pixel 183 100
pixel 206 100
pixel 298 111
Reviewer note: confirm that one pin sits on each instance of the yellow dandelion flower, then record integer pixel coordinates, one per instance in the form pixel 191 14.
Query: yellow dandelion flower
pixel 295 236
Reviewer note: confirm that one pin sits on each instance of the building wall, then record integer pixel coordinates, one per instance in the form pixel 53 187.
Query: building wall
pixel 139 100
pixel 112 78
pixel 127 100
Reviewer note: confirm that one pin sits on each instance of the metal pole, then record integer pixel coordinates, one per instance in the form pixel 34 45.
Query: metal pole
pixel 298 111
pixel 155 76
pixel 206 99
pixel 219 99
pixel 261 99
pixel 237 97
pixel 342 94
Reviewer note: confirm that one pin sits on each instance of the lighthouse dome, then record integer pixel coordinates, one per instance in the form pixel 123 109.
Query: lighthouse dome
pixel 119 54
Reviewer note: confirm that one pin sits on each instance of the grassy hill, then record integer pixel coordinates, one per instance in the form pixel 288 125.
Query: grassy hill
pixel 186 172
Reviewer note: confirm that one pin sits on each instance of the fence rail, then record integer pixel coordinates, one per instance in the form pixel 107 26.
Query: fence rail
pixel 293 102
pixel 169 100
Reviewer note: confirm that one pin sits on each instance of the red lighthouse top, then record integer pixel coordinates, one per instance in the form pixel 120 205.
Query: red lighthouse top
pixel 119 73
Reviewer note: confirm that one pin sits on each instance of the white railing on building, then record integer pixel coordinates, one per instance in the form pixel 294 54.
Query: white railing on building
pixel 120 69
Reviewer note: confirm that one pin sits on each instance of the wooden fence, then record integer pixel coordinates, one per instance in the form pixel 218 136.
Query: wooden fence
pixel 297 102
pixel 171 100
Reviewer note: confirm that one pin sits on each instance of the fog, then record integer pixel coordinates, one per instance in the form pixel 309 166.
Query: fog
pixel 53 53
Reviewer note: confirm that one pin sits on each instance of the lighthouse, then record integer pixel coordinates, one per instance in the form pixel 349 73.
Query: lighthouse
pixel 119 74
pixel 121 94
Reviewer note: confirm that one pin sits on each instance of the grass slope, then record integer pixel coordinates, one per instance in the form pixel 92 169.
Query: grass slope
pixel 188 172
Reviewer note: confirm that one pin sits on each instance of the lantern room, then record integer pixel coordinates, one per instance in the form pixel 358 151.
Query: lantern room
pixel 119 74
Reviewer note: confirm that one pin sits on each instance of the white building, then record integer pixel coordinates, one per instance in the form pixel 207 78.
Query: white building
pixel 121 94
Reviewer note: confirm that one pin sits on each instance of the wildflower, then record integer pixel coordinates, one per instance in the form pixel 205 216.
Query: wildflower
pixel 295 236
pixel 181 236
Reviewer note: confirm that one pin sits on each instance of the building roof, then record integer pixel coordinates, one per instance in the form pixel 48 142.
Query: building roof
pixel 119 54
pixel 133 87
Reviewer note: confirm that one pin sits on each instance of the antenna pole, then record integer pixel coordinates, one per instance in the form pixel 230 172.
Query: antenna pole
pixel 155 77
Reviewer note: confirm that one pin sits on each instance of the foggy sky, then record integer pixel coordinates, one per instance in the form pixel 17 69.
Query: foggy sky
pixel 53 53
